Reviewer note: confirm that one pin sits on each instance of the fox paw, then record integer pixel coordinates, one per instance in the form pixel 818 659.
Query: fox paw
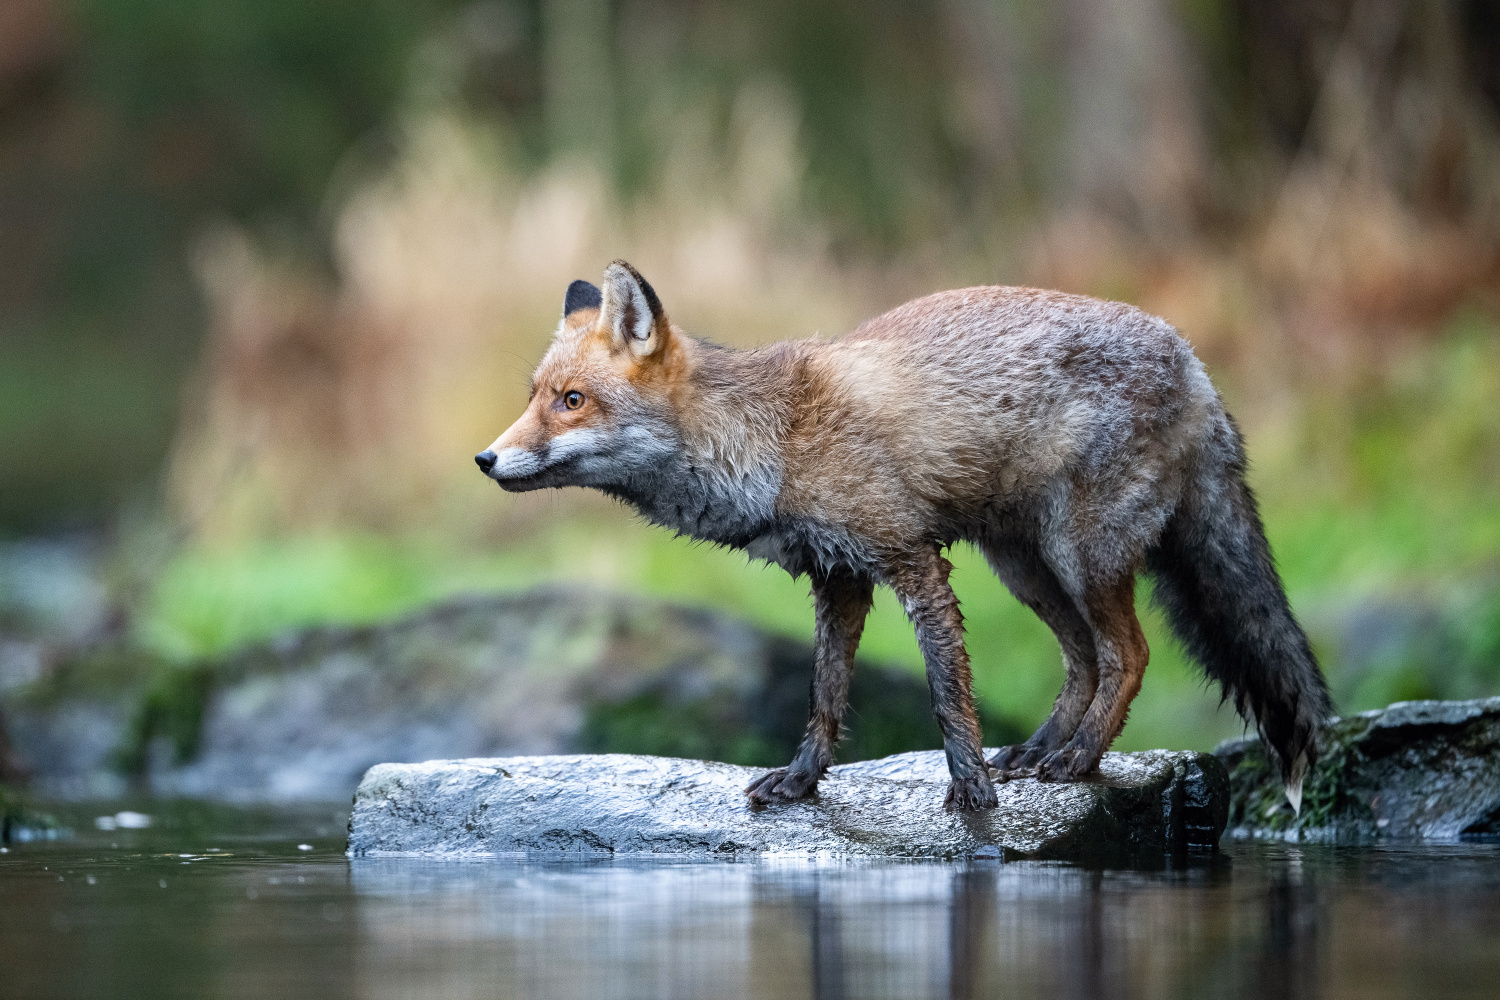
pixel 1068 764
pixel 781 785
pixel 973 793
pixel 1020 757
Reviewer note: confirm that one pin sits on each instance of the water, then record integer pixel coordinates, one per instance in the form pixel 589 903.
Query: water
pixel 218 903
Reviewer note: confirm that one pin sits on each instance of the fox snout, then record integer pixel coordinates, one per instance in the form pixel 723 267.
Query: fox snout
pixel 515 469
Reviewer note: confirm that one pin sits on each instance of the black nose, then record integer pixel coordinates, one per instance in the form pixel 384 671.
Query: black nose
pixel 485 460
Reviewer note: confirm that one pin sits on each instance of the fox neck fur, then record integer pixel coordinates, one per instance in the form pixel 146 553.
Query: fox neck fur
pixel 723 481
pixel 721 471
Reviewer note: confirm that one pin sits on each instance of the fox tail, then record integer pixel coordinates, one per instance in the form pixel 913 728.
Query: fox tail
pixel 1215 578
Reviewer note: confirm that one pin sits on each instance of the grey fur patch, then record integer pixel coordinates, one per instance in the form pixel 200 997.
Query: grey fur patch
pixel 705 501
pixel 801 545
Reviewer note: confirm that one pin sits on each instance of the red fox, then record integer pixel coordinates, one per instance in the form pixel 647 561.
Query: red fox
pixel 1075 442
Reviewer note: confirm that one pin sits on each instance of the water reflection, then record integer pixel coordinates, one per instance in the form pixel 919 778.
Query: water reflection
pixel 1287 964
pixel 1246 926
pixel 83 920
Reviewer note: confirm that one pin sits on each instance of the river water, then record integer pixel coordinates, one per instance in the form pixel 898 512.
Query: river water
pixel 222 903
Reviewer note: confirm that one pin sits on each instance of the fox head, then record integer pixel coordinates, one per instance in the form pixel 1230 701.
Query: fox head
pixel 602 398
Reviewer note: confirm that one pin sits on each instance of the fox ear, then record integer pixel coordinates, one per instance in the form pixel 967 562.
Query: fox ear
pixel 631 311
pixel 580 295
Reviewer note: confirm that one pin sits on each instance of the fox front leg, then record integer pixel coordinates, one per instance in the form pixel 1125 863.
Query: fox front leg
pixel 841 601
pixel 921 581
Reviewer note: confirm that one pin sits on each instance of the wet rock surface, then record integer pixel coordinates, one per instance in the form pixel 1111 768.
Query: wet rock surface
pixel 1138 808
pixel 1416 771
pixel 551 671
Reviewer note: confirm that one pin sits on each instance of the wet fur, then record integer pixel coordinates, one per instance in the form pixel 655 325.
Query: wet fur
pixel 1075 442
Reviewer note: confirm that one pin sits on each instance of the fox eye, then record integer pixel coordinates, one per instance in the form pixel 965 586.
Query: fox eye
pixel 573 400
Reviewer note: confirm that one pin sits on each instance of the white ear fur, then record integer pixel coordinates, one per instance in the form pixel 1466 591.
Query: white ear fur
pixel 627 310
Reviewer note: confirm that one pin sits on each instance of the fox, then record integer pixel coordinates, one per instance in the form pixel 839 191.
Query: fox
pixel 1076 443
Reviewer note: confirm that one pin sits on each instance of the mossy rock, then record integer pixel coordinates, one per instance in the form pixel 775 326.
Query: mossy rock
pixel 1424 771
pixel 550 671
pixel 890 711
pixel 21 821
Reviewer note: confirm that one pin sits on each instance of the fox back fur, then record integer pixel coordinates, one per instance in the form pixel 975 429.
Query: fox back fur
pixel 1075 442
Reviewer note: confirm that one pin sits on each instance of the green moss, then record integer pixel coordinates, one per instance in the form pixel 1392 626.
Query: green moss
pixel 701 729
pixel 115 670
pixel 889 712
pixel 172 706
pixel 1258 798
pixel 16 812
pixel 168 699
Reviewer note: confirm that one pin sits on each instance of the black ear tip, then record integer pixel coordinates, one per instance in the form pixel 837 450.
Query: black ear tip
pixel 581 295
pixel 651 299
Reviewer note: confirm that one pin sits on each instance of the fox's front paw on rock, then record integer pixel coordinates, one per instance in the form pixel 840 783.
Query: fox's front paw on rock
pixel 971 794
pixel 1067 764
pixel 781 785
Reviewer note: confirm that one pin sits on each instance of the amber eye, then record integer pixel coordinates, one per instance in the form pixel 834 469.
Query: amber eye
pixel 573 400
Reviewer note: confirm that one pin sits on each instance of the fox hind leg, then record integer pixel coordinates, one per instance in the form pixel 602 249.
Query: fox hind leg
pixel 1121 654
pixel 1021 568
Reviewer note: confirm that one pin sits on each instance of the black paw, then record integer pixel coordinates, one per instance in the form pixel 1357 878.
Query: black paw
pixel 1068 764
pixel 1022 757
pixel 781 785
pixel 1005 757
pixel 971 794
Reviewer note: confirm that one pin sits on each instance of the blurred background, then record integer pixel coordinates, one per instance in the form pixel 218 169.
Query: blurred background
pixel 271 272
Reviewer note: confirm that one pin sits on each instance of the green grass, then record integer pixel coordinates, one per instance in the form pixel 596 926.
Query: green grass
pixel 1391 495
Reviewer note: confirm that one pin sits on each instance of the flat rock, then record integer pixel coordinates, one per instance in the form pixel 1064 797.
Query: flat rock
pixel 1138 807
pixel 1415 771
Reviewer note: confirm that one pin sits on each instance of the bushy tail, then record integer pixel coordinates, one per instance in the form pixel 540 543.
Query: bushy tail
pixel 1214 576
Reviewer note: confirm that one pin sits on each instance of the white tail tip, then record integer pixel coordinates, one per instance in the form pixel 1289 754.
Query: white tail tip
pixel 1294 783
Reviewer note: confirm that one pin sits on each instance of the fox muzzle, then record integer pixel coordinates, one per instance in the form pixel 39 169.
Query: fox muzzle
pixel 516 469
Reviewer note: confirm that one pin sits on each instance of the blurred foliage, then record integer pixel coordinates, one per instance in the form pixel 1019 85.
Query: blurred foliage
pixel 172 708
pixel 928 130
pixel 19 820
pixel 254 101
pixel 151 117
